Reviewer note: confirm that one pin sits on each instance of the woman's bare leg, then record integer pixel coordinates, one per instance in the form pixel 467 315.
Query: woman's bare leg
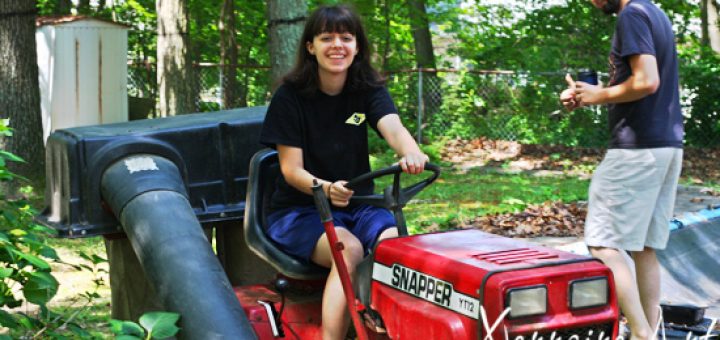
pixel 335 319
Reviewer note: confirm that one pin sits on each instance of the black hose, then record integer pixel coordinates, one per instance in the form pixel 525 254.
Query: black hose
pixel 147 195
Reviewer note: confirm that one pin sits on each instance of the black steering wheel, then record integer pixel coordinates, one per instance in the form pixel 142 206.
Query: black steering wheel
pixel 393 198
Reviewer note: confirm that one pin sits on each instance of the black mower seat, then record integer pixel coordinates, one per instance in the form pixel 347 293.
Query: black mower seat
pixel 264 170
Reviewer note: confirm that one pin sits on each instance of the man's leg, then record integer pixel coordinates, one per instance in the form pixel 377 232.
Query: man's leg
pixel 647 268
pixel 627 291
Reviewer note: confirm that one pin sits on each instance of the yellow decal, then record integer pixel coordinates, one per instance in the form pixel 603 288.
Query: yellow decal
pixel 356 119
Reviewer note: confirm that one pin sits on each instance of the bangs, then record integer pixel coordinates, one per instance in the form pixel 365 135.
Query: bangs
pixel 336 20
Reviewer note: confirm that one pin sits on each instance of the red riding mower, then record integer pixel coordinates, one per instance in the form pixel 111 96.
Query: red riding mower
pixel 462 284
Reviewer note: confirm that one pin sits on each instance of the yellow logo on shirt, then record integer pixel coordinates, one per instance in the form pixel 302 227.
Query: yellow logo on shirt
pixel 356 119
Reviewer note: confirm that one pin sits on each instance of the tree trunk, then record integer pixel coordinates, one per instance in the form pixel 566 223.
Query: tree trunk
pixel 19 89
pixel 229 54
pixel 710 24
pixel 425 57
pixel 174 69
pixel 286 19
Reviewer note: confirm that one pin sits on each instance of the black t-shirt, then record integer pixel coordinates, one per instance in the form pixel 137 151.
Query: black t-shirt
pixel 655 120
pixel 331 131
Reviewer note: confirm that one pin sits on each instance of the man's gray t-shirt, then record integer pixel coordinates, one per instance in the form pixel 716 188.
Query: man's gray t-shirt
pixel 656 120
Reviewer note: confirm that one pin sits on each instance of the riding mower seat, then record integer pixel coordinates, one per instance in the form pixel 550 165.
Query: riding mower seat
pixel 264 170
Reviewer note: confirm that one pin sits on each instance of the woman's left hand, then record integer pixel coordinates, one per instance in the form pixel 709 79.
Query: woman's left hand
pixel 414 163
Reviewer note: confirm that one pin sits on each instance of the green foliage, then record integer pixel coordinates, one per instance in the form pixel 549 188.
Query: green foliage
pixel 700 75
pixel 25 274
pixel 22 251
pixel 153 325
pixel 537 39
pixel 533 36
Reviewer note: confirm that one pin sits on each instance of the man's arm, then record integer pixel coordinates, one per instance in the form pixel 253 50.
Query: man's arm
pixel 643 82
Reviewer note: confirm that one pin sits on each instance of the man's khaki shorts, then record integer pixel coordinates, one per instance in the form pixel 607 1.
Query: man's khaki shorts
pixel 631 199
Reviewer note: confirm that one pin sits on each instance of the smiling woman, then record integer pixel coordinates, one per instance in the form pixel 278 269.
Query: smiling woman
pixel 318 121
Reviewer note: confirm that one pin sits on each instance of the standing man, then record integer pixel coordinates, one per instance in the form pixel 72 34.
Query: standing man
pixel 632 193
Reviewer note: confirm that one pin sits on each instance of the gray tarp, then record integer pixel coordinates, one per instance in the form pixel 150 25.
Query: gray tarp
pixel 691 266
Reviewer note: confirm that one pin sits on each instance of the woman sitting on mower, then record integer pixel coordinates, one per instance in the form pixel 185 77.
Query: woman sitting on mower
pixel 317 120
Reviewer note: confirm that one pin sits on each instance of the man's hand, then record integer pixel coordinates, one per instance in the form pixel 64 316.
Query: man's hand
pixel 414 163
pixel 567 97
pixel 338 194
pixel 587 94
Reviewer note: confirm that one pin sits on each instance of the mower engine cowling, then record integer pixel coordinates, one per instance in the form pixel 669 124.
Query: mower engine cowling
pixel 467 284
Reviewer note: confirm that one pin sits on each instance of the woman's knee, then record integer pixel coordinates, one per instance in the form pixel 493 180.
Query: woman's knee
pixel 388 233
pixel 352 247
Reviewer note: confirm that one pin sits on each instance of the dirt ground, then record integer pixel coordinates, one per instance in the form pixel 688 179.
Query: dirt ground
pixel 75 282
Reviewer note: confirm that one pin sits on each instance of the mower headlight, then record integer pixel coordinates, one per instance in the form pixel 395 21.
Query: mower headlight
pixel 527 301
pixel 589 293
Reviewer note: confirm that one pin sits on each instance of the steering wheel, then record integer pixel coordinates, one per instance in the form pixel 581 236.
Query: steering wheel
pixel 393 198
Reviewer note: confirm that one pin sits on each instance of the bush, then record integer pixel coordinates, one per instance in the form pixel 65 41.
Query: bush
pixel 24 273
pixel 700 76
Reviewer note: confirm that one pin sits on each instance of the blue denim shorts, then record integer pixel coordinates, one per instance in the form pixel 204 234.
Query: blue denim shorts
pixel 297 230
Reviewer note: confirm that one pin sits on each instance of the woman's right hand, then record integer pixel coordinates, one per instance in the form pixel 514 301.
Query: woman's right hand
pixel 338 194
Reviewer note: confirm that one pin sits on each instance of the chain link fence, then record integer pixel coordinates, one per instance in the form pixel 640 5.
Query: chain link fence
pixel 500 105
pixel 517 106
pixel 250 88
pixel 494 104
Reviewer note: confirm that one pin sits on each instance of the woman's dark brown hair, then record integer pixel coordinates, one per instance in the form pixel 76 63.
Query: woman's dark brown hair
pixel 333 19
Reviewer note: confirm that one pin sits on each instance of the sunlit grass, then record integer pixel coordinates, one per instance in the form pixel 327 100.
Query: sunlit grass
pixel 89 245
pixel 462 195
pixel 693 181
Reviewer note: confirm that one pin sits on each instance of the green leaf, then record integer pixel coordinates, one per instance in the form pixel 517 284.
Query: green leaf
pixel 127 337
pixel 16 232
pixel 40 288
pixel 48 252
pixel 7 320
pixel 25 321
pixel 78 331
pixel 121 327
pixel 97 259
pixel 34 260
pixel 160 325
pixel 10 156
pixel 7 298
pixel 5 272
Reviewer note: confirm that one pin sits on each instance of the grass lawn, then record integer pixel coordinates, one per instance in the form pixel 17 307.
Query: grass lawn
pixel 461 195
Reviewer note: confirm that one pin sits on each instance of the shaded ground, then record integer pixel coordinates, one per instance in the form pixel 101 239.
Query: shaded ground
pixel 700 167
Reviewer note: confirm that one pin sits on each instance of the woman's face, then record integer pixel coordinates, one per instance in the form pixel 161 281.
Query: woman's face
pixel 334 51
